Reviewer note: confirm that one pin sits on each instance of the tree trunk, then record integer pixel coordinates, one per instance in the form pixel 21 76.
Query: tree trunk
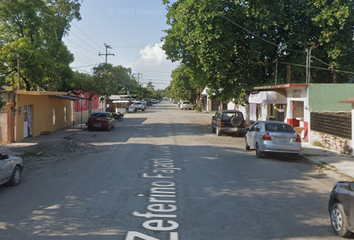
pixel 335 79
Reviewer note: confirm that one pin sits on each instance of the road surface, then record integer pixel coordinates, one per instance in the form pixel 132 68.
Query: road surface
pixel 167 177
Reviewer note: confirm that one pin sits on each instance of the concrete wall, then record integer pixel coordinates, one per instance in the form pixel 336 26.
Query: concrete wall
pixel 42 112
pixel 326 97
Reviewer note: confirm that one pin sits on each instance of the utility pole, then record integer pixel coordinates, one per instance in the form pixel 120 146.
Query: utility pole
pixel 106 54
pixel 18 71
pixel 139 76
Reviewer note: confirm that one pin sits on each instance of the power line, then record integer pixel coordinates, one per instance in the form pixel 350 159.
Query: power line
pixel 84 42
pixel 87 36
pixel 79 46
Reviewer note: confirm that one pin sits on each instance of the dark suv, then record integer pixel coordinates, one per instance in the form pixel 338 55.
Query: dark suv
pixel 341 208
pixel 228 121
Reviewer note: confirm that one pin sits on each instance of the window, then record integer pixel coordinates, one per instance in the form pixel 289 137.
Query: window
pixel 278 128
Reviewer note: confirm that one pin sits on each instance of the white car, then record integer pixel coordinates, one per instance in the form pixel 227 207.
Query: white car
pixel 185 105
pixel 10 169
pixel 139 106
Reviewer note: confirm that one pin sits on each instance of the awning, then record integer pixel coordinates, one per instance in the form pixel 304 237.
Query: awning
pixel 121 101
pixel 347 100
pixel 268 97
pixel 69 97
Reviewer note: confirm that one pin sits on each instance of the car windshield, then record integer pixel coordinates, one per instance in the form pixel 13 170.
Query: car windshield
pixel 229 115
pixel 186 102
pixel 95 115
pixel 271 127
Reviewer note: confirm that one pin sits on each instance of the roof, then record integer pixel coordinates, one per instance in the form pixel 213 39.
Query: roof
pixel 69 97
pixel 347 100
pixel 62 95
pixel 39 93
pixel 282 86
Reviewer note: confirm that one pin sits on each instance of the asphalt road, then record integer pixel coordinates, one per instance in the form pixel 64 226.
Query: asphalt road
pixel 167 177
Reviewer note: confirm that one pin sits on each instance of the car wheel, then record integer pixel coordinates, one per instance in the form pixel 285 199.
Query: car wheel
pixel 247 146
pixel 218 131
pixel 339 221
pixel 259 154
pixel 15 177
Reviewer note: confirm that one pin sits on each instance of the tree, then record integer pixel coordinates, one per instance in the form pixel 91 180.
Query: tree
pixel 34 31
pixel 181 86
pixel 234 45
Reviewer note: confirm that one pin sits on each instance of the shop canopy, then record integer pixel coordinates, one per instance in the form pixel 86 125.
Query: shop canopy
pixel 121 101
pixel 267 97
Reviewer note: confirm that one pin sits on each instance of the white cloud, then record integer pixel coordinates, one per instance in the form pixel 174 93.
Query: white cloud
pixel 153 54
pixel 154 66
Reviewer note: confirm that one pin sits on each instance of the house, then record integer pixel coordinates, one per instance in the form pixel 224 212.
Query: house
pixel 209 102
pixel 32 113
pixel 312 109
pixel 85 106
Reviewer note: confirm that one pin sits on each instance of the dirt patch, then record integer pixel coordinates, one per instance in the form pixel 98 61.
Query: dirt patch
pixel 58 148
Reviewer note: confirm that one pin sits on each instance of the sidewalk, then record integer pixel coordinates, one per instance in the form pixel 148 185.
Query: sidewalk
pixel 330 159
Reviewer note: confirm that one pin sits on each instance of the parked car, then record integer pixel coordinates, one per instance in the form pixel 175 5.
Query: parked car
pixel 10 169
pixel 272 136
pixel 185 105
pixel 139 106
pixel 341 208
pixel 100 120
pixel 228 121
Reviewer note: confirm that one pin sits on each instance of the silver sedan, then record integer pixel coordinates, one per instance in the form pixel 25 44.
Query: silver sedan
pixel 10 169
pixel 272 136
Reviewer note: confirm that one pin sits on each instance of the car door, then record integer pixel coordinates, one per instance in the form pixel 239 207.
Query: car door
pixel 251 135
pixel 5 169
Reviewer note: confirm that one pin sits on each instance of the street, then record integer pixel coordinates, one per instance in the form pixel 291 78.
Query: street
pixel 165 176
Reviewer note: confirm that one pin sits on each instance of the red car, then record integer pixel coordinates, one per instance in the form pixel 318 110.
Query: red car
pixel 100 120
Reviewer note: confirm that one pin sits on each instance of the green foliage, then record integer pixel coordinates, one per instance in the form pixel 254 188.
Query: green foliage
pixel 31 33
pixel 232 46
pixel 198 108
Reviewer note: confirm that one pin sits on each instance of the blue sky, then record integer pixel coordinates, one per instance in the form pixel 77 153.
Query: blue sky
pixel 133 28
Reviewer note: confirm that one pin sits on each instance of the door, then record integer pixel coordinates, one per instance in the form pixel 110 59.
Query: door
pixel 27 121
pixel 251 135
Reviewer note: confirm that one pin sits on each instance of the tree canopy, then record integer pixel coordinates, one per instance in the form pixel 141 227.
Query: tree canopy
pixel 233 46
pixel 31 37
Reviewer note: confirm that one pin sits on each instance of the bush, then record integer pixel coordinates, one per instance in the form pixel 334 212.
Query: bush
pixel 198 108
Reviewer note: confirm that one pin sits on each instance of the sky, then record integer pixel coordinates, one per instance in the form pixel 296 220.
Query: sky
pixel 132 28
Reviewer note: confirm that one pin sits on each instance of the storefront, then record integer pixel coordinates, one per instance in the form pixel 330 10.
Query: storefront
pixel 285 103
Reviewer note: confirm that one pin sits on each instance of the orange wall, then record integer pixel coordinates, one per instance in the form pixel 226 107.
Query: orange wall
pixel 42 114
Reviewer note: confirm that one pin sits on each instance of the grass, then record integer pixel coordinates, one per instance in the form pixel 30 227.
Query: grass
pixel 318 144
